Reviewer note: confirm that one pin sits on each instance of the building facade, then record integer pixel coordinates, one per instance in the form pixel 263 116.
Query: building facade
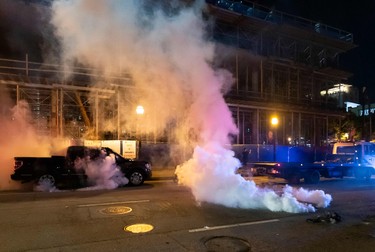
pixel 283 67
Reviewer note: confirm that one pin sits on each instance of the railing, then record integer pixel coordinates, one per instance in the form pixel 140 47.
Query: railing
pixel 34 72
pixel 261 12
pixel 268 97
pixel 49 76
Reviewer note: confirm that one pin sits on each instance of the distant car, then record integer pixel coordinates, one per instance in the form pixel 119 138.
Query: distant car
pixel 63 171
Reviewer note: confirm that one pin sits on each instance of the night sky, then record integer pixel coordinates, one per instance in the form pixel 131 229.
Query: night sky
pixel 22 23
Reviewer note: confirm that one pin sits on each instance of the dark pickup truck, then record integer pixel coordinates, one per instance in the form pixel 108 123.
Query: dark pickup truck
pixel 68 172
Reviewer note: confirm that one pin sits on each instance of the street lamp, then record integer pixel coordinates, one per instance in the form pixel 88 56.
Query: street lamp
pixel 274 123
pixel 140 110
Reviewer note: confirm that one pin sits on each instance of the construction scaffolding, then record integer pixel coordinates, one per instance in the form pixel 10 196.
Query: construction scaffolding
pixel 281 65
pixel 59 108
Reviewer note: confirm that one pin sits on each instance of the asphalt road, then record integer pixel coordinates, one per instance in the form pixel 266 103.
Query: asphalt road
pixel 171 220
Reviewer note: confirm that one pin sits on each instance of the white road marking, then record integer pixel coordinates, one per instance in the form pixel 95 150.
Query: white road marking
pixel 114 203
pixel 232 225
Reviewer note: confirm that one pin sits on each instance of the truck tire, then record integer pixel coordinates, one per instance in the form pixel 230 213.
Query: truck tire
pixel 313 177
pixel 136 178
pixel 47 180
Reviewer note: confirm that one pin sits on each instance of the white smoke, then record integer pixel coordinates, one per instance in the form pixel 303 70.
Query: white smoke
pixel 212 177
pixel 18 137
pixel 103 173
pixel 170 60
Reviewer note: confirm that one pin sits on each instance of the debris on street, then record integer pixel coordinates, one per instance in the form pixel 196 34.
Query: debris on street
pixel 329 217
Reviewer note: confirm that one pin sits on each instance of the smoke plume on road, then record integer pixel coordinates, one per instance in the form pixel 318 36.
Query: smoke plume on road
pixel 165 49
pixel 18 137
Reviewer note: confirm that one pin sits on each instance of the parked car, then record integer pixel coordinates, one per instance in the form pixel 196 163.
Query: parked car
pixel 70 170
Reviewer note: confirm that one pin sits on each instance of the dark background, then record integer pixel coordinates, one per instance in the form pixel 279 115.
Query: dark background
pixel 24 30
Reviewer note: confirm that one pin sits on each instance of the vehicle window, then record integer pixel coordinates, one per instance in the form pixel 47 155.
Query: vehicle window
pixel 346 149
pixel 371 149
pixel 117 157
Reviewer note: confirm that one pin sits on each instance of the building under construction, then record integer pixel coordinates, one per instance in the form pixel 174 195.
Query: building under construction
pixel 284 67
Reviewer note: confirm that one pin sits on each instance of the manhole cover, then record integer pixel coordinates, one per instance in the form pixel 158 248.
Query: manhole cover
pixel 139 228
pixel 227 244
pixel 116 210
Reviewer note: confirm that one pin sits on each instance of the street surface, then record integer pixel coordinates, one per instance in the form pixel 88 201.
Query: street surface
pixel 172 220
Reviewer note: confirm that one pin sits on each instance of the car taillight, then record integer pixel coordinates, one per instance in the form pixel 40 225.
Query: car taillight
pixel 17 164
pixel 274 171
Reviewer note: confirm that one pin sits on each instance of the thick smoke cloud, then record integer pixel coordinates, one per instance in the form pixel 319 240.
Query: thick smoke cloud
pixel 211 175
pixel 169 58
pixel 25 29
pixel 102 172
pixel 18 137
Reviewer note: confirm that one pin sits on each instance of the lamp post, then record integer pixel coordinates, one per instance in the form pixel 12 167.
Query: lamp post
pixel 274 123
pixel 139 111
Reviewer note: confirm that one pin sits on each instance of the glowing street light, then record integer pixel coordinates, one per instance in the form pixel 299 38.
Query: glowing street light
pixel 140 110
pixel 274 123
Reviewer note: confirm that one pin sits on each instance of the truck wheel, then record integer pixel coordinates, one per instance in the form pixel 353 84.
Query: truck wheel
pixel 136 178
pixel 47 180
pixel 313 177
